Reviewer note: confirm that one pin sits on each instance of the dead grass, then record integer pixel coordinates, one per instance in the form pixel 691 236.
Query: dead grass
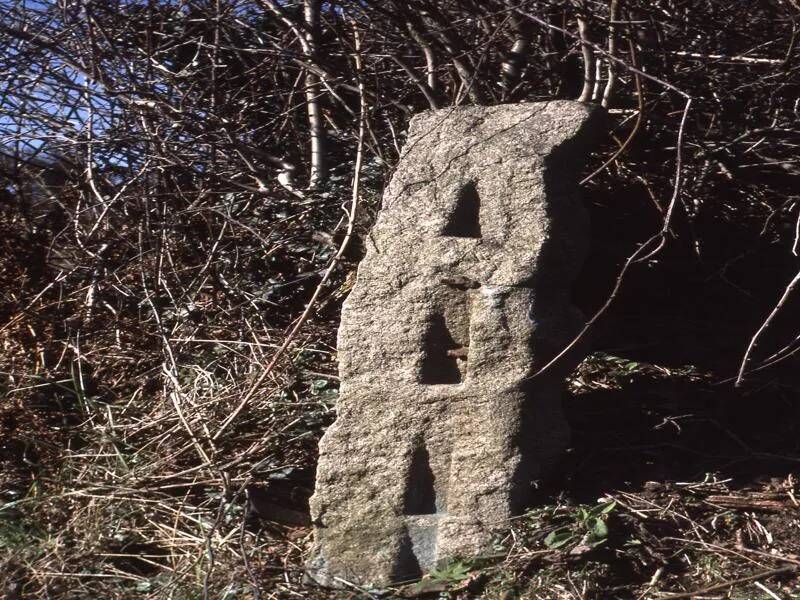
pixel 117 502
pixel 122 474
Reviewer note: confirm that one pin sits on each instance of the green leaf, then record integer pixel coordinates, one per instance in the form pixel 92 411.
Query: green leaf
pixel 459 572
pixel 633 542
pixel 558 538
pixel 453 572
pixel 319 384
pixel 599 529
pixel 602 509
pixel 595 543
pixel 608 507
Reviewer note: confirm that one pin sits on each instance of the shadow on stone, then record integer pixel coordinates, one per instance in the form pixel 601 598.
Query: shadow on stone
pixel 406 567
pixel 420 498
pixel 439 364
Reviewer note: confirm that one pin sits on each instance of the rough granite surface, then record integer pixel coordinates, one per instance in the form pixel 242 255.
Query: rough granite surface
pixel 462 296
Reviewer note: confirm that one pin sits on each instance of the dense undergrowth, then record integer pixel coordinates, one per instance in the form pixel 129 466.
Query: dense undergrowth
pixel 694 493
pixel 164 225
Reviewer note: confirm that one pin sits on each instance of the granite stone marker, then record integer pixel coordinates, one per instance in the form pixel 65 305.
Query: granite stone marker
pixel 462 296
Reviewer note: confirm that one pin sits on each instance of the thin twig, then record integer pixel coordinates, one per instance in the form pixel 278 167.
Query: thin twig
pixel 351 215
pixel 603 51
pixel 661 236
pixel 588 60
pixel 637 124
pixel 728 584
pixel 754 340
pixel 617 285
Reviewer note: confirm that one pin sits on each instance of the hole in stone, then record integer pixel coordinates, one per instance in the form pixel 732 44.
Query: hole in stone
pixel 465 221
pixel 441 354
pixel 420 497
pixel 406 564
